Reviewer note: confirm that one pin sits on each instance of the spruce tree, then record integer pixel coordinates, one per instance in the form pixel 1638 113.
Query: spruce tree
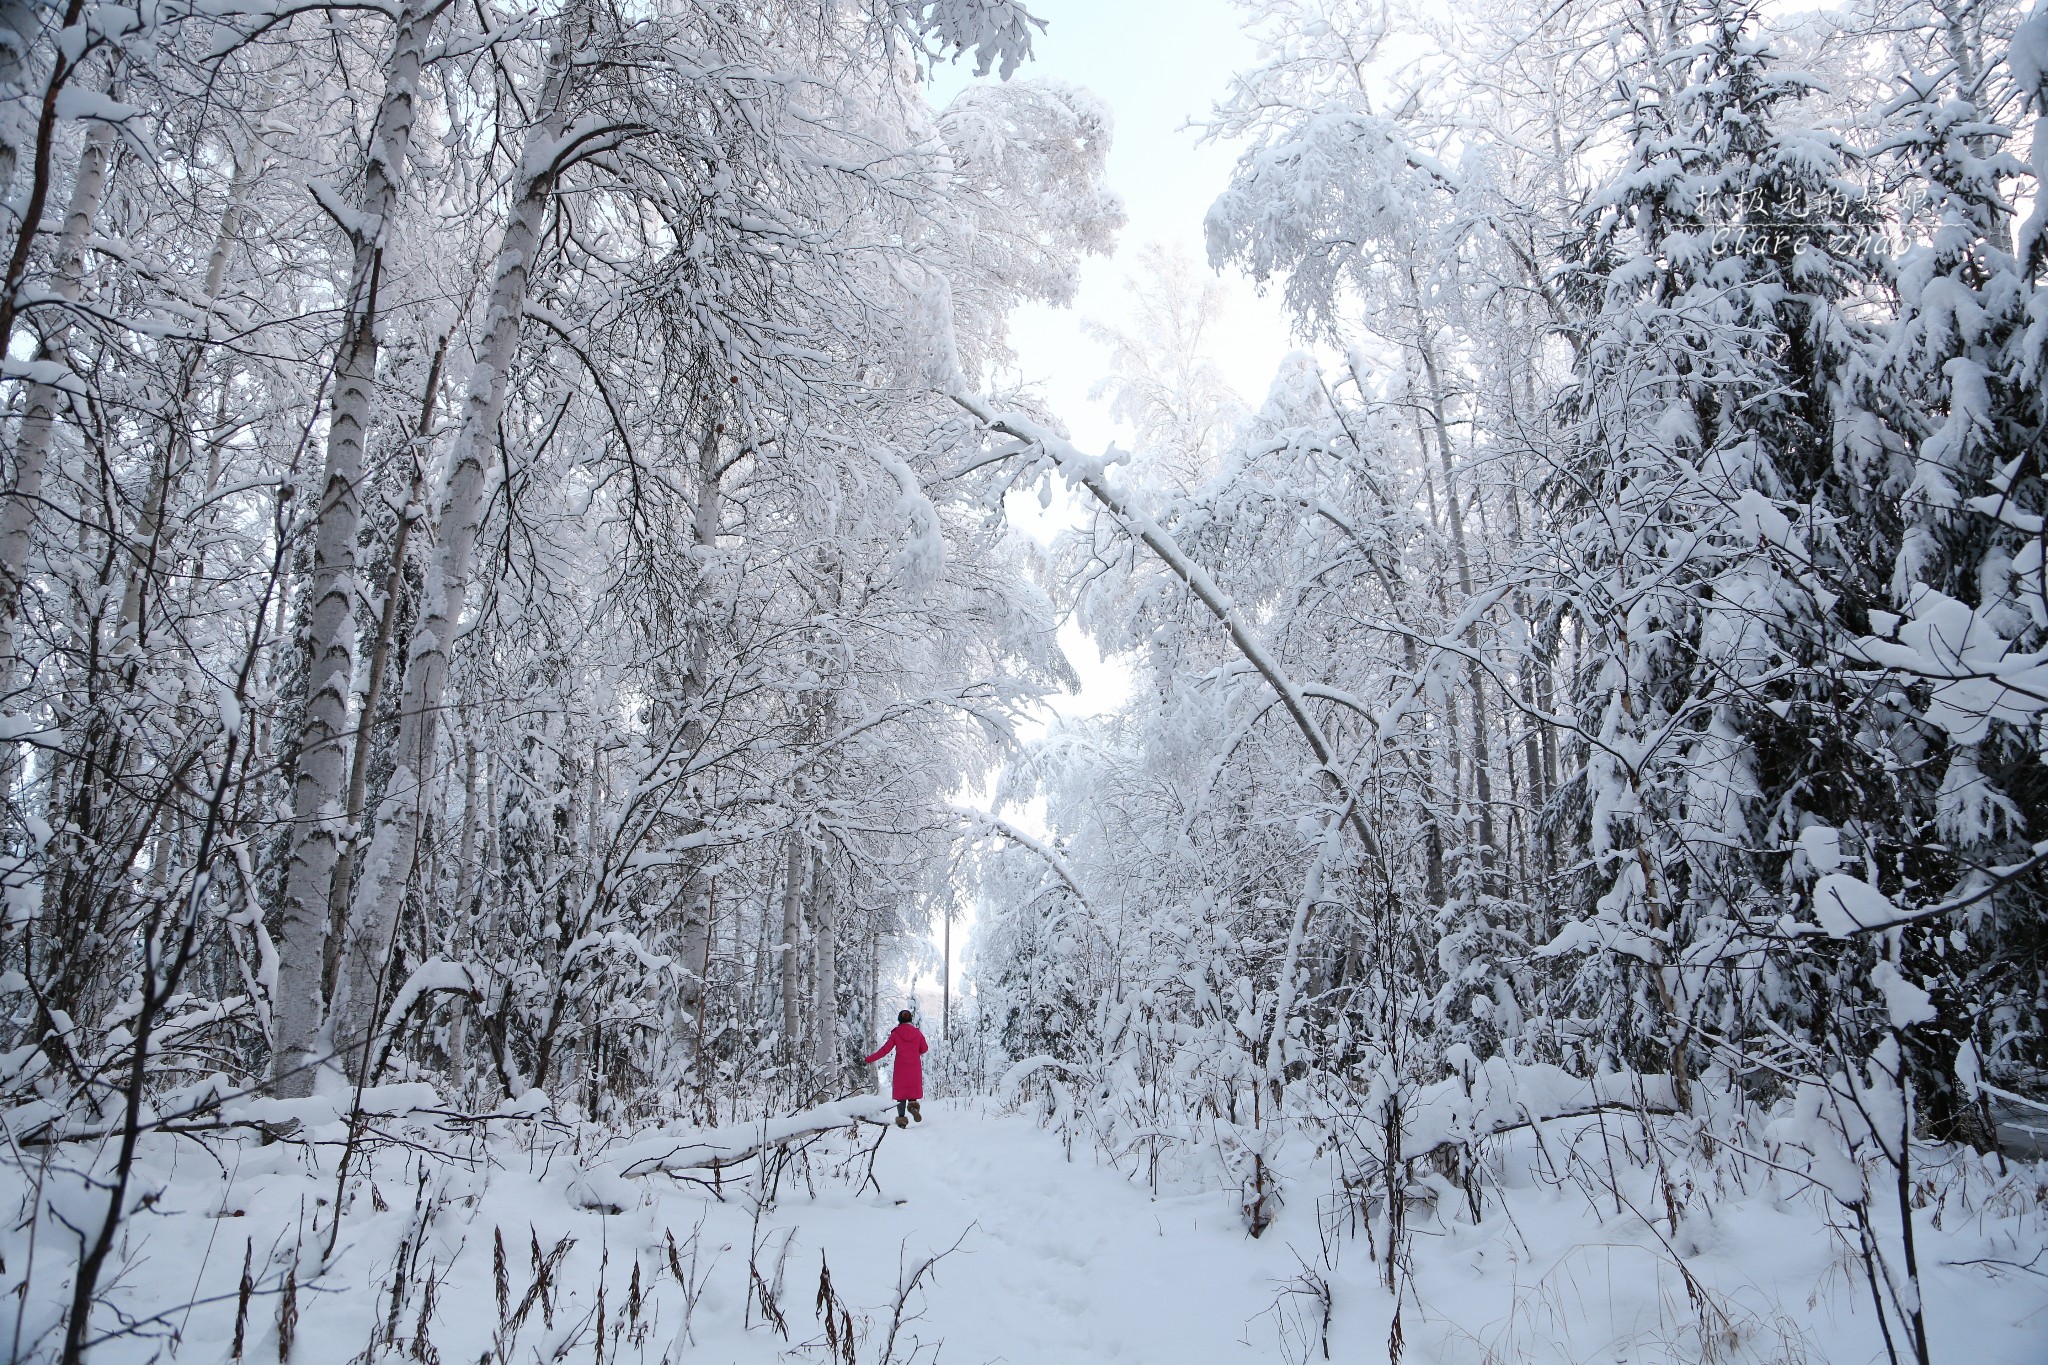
pixel 1723 489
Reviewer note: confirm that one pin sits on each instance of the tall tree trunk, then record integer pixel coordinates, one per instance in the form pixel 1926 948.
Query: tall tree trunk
pixel 18 28
pixel 322 772
pixel 758 989
pixel 1538 742
pixel 825 998
pixel 705 521
pixel 250 161
pixel 39 412
pixel 1482 763
pixel 373 684
pixel 387 870
pixel 107 761
pixel 460 914
pixel 465 871
pixel 793 866
pixel 36 135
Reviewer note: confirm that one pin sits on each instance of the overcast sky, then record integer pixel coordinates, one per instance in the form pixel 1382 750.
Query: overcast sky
pixel 1158 64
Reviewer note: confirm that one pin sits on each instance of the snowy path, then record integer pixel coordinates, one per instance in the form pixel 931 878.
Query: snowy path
pixel 1064 1262
pixel 1060 1261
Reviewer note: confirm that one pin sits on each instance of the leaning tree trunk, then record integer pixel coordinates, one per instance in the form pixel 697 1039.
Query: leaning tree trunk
pixel 373 686
pixel 373 915
pixel 321 778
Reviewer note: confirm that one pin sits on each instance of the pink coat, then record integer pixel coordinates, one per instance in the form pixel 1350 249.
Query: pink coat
pixel 910 1048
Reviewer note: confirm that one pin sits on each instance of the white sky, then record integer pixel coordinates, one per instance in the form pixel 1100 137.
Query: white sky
pixel 1158 64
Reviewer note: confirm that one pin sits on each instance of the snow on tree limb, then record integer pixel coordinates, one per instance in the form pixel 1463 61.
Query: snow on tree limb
pixel 1088 472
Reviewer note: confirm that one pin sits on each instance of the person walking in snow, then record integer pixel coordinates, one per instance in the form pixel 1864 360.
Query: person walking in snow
pixel 908 1086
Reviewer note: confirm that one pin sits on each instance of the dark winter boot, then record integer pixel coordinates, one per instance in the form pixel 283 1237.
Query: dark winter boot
pixel 902 1122
pixel 915 1112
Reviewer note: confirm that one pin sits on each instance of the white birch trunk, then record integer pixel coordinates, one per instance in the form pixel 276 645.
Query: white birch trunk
pixel 322 774
pixel 39 411
pixel 366 711
pixel 380 892
pixel 20 26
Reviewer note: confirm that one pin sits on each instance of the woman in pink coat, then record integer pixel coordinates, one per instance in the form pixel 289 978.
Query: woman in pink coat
pixel 908 1087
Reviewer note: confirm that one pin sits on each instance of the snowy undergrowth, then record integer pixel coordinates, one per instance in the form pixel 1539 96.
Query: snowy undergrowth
pixel 1603 1238
pixel 1622 1234
pixel 983 1236
pixel 497 1238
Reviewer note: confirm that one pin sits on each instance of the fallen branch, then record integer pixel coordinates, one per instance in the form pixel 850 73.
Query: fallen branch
pixel 699 1149
pixel 1531 1119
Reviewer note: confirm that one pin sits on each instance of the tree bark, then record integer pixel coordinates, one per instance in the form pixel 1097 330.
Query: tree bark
pixel 322 772
pixel 17 32
pixel 792 932
pixel 825 997
pixel 39 411
pixel 373 685
pixel 387 870
pixel 706 518
pixel 1482 761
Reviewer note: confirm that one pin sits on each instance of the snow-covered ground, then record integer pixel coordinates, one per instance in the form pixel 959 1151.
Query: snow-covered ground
pixel 1042 1257
pixel 1050 1259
